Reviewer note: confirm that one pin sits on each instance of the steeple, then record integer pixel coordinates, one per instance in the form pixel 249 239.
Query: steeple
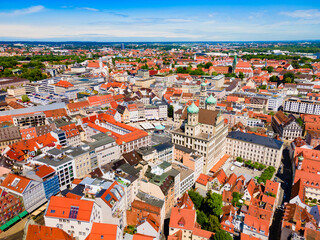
pixel 203 94
pixel 234 64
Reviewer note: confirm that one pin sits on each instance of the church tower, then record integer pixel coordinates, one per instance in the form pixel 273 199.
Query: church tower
pixel 234 64
pixel 192 128
pixel 211 102
pixel 203 95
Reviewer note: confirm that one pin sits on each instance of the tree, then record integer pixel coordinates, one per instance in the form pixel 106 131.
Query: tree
pixel 300 122
pixel 213 224
pixel 274 79
pixel 212 204
pixel 288 80
pixel 25 98
pixel 241 75
pixel 270 69
pixel 222 235
pixel 288 75
pixel 170 111
pixel 196 198
pixel 202 219
pixel 239 159
pixel 208 65
pixel 235 198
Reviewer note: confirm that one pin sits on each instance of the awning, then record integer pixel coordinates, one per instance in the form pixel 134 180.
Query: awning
pixel 3 227
pixel 24 213
pixel 13 220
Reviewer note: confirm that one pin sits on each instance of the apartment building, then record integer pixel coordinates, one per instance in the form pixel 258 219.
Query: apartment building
pixel 256 148
pixel 9 135
pixel 297 105
pixel 105 148
pixel 32 192
pixel 287 127
pixel 29 120
pixel 63 165
pixel 74 216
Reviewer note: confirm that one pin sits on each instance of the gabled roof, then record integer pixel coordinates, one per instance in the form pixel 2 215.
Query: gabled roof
pixel 221 176
pixel 16 183
pixel 182 218
pixel 69 208
pixel 64 84
pixel 185 202
pixel 103 231
pixel 37 232
pixel 203 179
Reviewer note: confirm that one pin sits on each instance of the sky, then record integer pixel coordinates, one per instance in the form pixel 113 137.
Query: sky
pixel 163 20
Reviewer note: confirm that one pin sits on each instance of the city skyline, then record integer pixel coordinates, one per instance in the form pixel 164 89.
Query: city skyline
pixel 165 21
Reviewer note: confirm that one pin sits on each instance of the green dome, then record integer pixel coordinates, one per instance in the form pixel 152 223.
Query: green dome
pixel 203 84
pixel 193 108
pixel 211 100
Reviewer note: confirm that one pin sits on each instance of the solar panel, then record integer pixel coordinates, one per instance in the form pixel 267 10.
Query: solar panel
pixel 73 212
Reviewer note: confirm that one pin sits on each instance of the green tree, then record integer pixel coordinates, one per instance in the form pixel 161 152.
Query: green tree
pixel 270 69
pixel 202 219
pixel 222 235
pixel 300 122
pixel 212 204
pixel 25 98
pixel 170 111
pixel 239 159
pixel 235 198
pixel 288 80
pixel 208 65
pixel 274 79
pixel 288 75
pixel 213 224
pixel 241 75
pixel 196 198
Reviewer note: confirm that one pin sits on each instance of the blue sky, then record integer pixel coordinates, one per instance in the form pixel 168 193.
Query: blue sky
pixel 164 20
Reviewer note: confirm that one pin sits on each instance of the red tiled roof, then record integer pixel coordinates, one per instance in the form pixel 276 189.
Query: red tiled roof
pixel 244 236
pixel 15 182
pixel 60 207
pixel 220 163
pixel 77 106
pixel 202 233
pixel 203 179
pixel 71 130
pixel 37 232
pixel 182 218
pixel 64 84
pixel 103 231
pixel 44 171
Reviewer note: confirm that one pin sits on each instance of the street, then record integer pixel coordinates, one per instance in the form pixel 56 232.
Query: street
pixel 284 177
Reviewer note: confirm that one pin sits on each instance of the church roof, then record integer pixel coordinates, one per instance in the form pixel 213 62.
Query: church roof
pixel 211 100
pixel 193 108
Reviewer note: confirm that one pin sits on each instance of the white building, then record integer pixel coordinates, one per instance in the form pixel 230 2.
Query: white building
pixel 106 149
pixel 296 105
pixel 31 191
pixel 72 215
pixel 62 164
pixel 256 148
pixel 204 132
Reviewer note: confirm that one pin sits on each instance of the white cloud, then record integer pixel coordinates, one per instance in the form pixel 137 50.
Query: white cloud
pixel 307 14
pixel 89 9
pixel 23 11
